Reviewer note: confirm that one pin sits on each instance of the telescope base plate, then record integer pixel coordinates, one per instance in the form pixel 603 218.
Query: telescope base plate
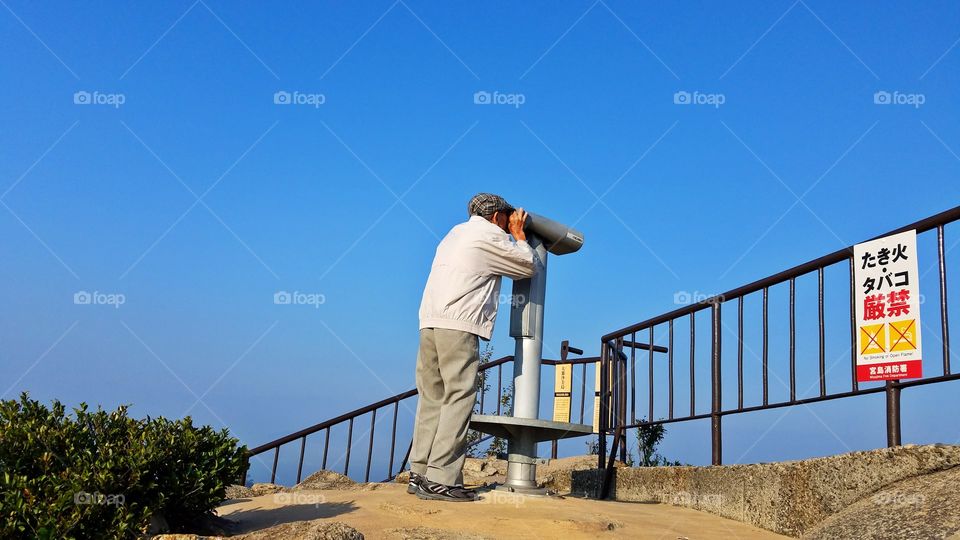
pixel 509 427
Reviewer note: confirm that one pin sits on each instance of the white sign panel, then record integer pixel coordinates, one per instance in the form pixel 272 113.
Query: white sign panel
pixel 886 282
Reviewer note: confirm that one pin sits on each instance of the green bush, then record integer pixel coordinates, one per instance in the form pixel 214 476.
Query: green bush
pixel 103 474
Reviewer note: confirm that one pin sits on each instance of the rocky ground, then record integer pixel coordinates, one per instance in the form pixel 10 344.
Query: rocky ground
pixel 330 506
pixel 387 511
pixel 555 476
pixel 926 506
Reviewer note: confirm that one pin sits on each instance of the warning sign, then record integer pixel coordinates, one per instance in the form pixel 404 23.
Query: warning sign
pixel 887 308
pixel 562 388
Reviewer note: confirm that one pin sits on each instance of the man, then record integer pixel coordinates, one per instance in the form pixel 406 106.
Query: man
pixel 459 306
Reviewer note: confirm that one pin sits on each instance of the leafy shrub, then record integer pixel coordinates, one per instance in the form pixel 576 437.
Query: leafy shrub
pixel 102 474
pixel 648 437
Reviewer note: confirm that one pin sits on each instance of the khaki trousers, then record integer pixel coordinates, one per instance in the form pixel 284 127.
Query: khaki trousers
pixel 447 383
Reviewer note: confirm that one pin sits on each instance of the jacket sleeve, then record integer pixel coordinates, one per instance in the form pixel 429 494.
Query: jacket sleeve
pixel 505 258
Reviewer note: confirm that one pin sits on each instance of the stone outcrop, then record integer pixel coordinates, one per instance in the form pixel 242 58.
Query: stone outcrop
pixel 302 530
pixel 326 480
pixel 790 498
pixel 319 480
pixel 555 475
pixel 926 506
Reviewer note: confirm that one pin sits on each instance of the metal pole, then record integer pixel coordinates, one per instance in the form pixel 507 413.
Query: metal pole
pixel 944 322
pixel 526 327
pixel 717 402
pixel 893 413
pixel 602 403
pixel 529 336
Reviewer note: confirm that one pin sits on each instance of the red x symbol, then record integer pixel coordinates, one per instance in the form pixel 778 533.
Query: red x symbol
pixel 872 338
pixel 902 335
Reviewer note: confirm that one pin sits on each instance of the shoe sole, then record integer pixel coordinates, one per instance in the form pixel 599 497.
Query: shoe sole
pixel 421 494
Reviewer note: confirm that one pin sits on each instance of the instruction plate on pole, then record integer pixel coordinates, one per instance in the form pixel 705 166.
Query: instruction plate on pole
pixel 887 300
pixel 562 388
pixel 596 399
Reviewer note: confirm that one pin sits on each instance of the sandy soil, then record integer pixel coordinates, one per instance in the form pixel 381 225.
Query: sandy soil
pixel 387 511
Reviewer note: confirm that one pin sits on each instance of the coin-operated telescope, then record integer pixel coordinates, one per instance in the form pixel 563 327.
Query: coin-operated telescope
pixel 524 429
pixel 558 238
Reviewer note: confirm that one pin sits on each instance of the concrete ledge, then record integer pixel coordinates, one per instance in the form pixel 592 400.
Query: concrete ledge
pixel 788 497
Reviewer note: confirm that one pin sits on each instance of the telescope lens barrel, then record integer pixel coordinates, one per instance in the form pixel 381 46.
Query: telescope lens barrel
pixel 557 237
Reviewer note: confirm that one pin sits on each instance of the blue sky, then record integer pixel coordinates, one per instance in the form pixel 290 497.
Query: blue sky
pixel 179 183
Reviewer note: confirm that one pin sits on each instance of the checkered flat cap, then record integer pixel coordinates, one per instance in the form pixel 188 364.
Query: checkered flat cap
pixel 485 204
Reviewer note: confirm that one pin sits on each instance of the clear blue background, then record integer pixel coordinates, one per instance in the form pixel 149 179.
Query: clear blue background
pixel 693 199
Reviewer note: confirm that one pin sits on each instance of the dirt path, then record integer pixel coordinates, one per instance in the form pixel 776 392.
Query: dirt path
pixel 387 511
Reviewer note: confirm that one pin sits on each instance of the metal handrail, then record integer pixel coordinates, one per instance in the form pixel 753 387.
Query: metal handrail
pixel 935 221
pixel 615 368
pixel 395 400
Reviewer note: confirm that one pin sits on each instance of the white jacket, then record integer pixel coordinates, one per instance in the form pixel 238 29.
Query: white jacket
pixel 463 289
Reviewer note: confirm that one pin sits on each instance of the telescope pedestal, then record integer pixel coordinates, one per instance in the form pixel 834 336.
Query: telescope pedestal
pixel 522 435
pixel 524 429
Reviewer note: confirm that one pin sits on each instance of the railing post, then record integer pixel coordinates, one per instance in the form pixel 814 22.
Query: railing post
pixel 893 413
pixel 602 417
pixel 622 396
pixel 276 458
pixel 716 404
pixel 303 446
pixel 944 322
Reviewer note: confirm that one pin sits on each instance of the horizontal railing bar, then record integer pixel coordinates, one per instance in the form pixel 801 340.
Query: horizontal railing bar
pixel 353 414
pixel 333 421
pixel 838 256
pixel 806 401
pixel 644 346
pixel 927 380
pixel 495 363
pixel 584 360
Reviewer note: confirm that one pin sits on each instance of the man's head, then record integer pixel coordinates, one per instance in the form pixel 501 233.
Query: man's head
pixel 491 207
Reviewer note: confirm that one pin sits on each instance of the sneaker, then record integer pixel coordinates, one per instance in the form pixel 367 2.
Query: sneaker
pixel 439 492
pixel 414 484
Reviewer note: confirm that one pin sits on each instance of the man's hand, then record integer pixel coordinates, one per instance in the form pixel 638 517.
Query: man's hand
pixel 517 220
